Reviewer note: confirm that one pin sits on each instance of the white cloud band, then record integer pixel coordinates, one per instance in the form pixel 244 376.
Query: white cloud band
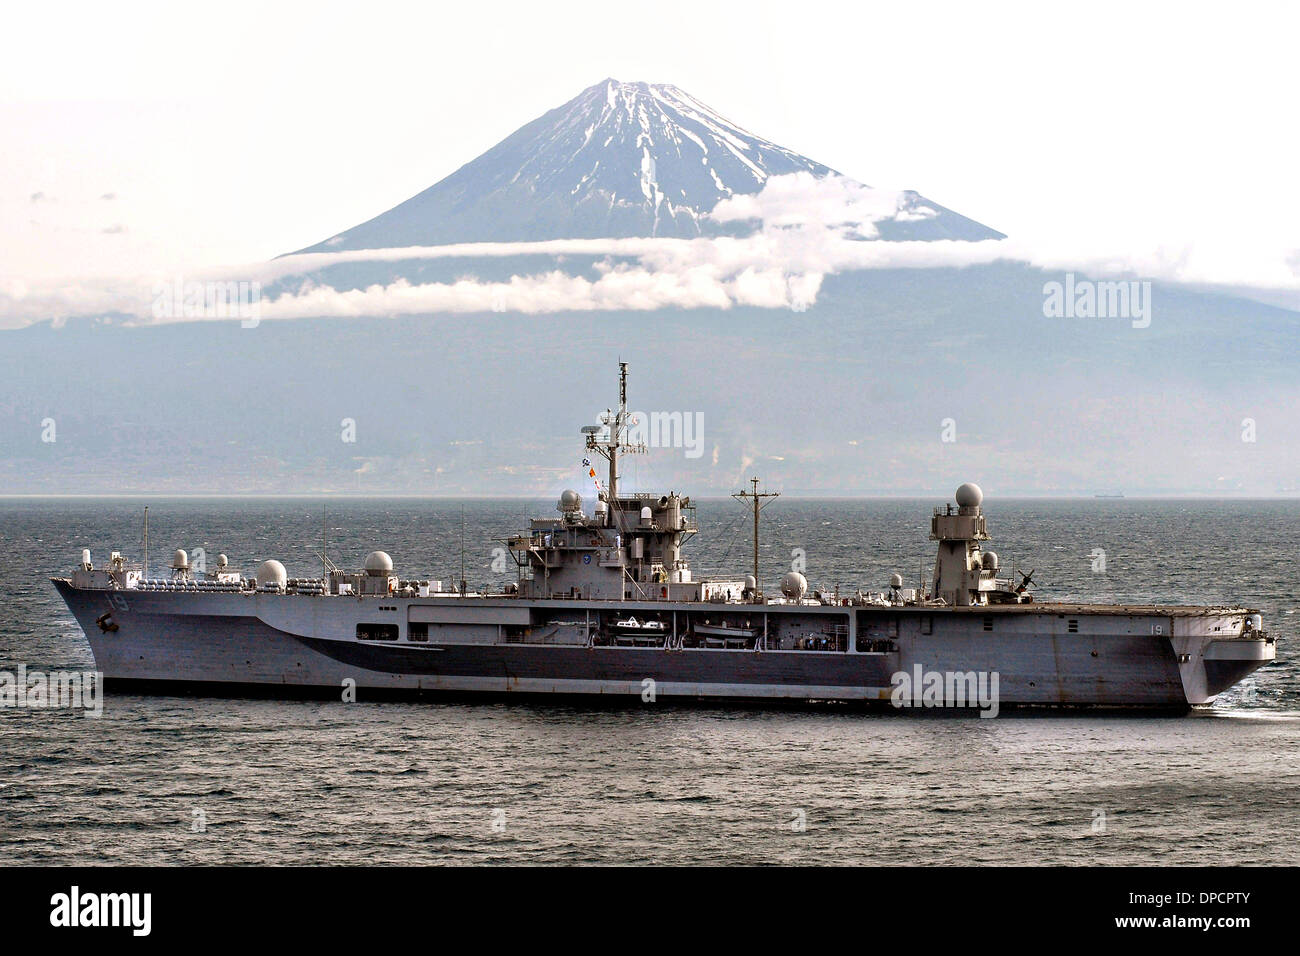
pixel 808 228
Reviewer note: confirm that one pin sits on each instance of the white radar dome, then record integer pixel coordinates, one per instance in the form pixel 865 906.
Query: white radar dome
pixel 180 560
pixel 378 562
pixel 271 572
pixel 969 495
pixel 570 500
pixel 794 585
pixel 895 580
pixel 990 560
pixel 222 561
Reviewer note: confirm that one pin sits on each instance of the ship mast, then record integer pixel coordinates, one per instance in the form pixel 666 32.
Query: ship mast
pixel 758 503
pixel 616 443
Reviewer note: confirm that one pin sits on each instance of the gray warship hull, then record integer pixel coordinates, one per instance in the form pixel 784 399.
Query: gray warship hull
pixel 282 644
pixel 606 606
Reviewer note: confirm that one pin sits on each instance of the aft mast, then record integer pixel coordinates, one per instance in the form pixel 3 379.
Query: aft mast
pixel 757 498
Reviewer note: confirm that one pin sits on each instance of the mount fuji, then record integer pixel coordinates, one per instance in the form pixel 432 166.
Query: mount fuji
pixel 618 160
pixel 850 390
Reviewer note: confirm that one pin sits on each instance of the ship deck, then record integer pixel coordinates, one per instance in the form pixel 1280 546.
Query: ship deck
pixel 1039 607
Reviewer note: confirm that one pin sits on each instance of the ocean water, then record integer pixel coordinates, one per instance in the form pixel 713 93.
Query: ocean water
pixel 208 781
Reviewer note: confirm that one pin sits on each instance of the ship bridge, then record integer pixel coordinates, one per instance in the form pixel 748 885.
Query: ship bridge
pixel 628 549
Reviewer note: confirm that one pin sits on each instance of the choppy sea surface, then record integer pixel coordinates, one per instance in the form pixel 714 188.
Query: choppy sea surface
pixel 207 781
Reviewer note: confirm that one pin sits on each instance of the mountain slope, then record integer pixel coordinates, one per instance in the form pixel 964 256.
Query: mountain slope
pixel 849 397
pixel 618 160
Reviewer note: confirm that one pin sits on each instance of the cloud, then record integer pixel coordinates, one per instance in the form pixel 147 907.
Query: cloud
pixel 808 228
pixel 621 288
pixel 114 230
pixel 108 196
pixel 827 202
pixel 41 197
pixel 24 302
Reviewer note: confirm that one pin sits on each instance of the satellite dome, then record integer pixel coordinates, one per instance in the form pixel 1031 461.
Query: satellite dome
pixel 794 585
pixel 895 580
pixel 570 500
pixel 222 561
pixel 750 583
pixel 180 560
pixel 271 572
pixel 969 495
pixel 378 563
pixel 990 560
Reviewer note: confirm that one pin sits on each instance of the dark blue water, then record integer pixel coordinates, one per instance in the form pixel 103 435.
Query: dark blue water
pixel 289 782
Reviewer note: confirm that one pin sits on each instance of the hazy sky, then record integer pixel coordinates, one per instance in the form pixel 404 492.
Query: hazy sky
pixel 143 137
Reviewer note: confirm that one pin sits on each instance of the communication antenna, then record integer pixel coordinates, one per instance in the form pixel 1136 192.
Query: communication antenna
pixel 615 443
pixel 327 566
pixel 146 543
pixel 462 551
pixel 758 504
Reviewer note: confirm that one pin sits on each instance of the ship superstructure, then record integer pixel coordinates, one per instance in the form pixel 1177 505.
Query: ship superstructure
pixel 605 604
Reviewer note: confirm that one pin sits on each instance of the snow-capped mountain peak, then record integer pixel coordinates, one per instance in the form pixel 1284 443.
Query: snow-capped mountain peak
pixel 619 159
pixel 687 155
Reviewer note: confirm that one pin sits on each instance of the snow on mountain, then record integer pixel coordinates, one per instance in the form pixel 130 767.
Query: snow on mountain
pixel 618 160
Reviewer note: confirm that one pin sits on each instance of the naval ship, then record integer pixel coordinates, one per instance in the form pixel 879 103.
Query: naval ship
pixel 605 605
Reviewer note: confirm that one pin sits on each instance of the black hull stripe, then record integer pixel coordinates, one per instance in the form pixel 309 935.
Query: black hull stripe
pixel 264 691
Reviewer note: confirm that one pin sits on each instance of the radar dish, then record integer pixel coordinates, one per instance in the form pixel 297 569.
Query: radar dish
pixel 794 585
pixel 271 572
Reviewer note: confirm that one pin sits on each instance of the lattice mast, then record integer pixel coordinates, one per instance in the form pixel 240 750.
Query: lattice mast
pixel 612 440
